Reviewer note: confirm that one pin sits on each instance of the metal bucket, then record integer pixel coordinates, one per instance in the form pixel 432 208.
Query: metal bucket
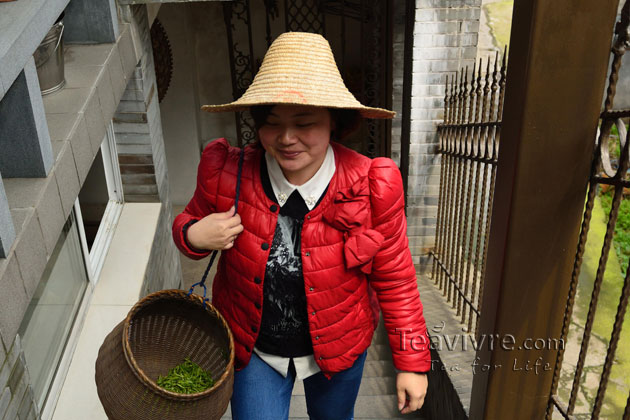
pixel 49 60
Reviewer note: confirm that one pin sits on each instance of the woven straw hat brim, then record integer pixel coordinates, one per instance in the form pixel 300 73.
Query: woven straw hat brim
pixel 365 111
pixel 299 69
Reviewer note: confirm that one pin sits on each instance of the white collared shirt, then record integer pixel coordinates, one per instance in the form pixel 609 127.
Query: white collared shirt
pixel 310 191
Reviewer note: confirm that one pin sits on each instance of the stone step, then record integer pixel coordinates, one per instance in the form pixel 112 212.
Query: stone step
pixel 366 407
pixel 378 368
pixel 380 334
pixel 379 352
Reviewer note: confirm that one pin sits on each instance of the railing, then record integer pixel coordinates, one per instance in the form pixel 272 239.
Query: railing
pixel 569 397
pixel 469 148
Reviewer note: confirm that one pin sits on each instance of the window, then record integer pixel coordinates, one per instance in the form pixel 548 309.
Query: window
pixel 49 318
pixel 100 202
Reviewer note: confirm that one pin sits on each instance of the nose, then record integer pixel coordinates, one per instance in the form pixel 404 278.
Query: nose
pixel 287 136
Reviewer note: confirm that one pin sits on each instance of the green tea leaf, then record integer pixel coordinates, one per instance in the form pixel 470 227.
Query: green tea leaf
pixel 186 378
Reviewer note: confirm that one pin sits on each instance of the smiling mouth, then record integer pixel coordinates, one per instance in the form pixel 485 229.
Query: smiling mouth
pixel 289 155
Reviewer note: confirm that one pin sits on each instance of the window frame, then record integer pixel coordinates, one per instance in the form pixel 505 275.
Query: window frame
pixel 113 210
pixel 93 261
pixel 59 376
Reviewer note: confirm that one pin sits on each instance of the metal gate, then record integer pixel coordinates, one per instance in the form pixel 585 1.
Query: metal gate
pixel 367 76
pixel 569 397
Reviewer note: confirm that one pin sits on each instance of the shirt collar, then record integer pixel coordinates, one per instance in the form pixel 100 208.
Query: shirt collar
pixel 311 190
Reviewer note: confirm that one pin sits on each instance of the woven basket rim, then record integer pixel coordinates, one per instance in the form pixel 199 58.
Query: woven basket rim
pixel 173 294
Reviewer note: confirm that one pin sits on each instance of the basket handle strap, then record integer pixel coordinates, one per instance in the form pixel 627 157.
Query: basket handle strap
pixel 202 283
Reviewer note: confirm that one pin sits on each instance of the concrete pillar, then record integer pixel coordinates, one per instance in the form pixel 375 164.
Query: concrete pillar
pixel 25 148
pixel 89 21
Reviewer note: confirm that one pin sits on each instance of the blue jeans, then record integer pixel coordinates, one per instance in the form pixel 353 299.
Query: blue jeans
pixel 261 393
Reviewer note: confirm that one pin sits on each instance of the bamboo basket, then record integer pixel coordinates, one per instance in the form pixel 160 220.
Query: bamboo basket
pixel 158 333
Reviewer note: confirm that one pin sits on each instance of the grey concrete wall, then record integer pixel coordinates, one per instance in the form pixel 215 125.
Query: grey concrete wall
pixel 214 82
pixel 16 393
pixel 180 107
pixel 445 39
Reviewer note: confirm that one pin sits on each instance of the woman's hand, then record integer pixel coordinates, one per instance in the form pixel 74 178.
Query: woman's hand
pixel 411 388
pixel 215 231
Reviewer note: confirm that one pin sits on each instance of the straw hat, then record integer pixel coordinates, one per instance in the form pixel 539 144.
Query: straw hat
pixel 299 68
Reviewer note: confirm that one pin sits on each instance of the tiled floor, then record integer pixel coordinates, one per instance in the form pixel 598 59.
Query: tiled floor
pixel 117 291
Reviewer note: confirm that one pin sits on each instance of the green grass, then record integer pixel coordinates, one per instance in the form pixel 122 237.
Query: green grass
pixel 500 21
pixel 619 383
pixel 621 241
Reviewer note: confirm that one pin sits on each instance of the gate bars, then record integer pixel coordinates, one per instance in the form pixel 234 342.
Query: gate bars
pixel 602 172
pixel 469 148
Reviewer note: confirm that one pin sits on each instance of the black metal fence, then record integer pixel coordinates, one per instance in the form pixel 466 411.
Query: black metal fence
pixel 469 148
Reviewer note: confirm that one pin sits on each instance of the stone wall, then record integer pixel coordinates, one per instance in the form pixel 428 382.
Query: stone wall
pixel 16 393
pixel 445 40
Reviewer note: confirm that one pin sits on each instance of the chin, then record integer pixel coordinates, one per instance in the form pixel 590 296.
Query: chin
pixel 293 166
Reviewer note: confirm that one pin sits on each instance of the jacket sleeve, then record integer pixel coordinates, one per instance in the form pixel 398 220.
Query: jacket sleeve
pixel 393 276
pixel 203 201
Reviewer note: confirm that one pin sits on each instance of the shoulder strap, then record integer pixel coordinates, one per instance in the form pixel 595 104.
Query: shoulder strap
pixel 202 283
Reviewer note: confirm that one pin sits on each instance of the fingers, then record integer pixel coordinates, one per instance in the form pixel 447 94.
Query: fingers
pixel 413 404
pixel 402 398
pixel 233 221
pixel 411 390
pixel 234 231
pixel 226 214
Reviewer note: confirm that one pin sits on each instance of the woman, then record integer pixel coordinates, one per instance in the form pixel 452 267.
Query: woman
pixel 318 225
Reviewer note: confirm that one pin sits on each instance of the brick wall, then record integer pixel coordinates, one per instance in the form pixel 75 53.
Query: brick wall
pixel 445 39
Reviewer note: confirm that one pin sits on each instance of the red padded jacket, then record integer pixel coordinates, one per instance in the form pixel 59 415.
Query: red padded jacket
pixel 356 233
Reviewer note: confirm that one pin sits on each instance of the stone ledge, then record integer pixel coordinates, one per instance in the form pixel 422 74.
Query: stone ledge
pixel 77 122
pixel 23 25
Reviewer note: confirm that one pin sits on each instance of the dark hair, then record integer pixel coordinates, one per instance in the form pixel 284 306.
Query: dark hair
pixel 346 120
